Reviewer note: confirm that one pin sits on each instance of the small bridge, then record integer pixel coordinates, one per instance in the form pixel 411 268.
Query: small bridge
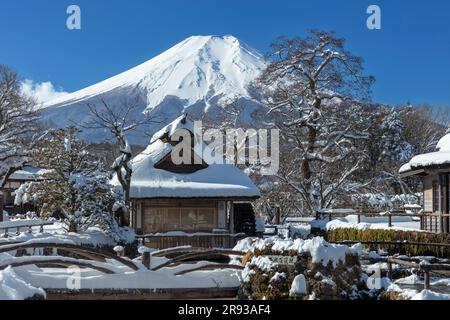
pixel 68 255
pixel 91 258
pixel 179 256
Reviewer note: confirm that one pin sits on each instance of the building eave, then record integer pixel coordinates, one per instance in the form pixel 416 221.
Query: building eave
pixel 253 198
pixel 416 172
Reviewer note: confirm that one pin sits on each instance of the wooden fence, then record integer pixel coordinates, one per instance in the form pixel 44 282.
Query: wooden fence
pixel 439 266
pixel 403 247
pixel 432 222
pixel 23 224
pixel 194 240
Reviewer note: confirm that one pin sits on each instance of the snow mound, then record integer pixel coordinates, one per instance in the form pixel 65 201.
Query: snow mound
pixel 263 263
pixel 298 287
pixel 350 222
pixel 13 287
pixel 320 250
pixel 430 295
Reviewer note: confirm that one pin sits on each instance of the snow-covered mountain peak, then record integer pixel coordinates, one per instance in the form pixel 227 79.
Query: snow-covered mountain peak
pixel 198 76
pixel 196 69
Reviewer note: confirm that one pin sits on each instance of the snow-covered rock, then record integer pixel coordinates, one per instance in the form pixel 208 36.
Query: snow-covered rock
pixel 298 287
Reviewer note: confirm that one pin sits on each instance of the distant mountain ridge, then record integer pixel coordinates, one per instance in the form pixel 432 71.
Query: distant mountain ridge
pixel 196 76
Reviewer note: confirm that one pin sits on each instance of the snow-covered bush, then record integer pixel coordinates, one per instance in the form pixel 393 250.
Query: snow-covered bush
pixel 392 144
pixel 76 186
pixel 381 201
pixel 353 234
pixel 320 270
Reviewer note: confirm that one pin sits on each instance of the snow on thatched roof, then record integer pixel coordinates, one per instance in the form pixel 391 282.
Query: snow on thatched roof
pixel 437 158
pixel 28 174
pixel 214 181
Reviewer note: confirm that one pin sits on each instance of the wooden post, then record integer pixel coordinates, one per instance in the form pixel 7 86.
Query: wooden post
pixel 426 280
pixel 359 218
pixel 1 208
pixel 436 224
pixel 445 203
pixel 41 229
pixel 278 216
pixel 120 251
pixel 390 270
pixel 146 259
pixel 390 220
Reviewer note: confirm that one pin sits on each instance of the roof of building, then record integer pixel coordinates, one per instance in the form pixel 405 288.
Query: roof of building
pixel 215 181
pixel 28 173
pixel 440 157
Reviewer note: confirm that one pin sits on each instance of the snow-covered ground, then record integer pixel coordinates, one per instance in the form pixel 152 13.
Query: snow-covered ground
pixel 351 221
pixel 411 288
pixel 12 287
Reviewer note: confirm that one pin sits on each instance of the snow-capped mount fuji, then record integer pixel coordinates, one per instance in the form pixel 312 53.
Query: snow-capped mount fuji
pixel 194 76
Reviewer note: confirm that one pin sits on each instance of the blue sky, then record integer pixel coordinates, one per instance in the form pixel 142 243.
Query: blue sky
pixel 409 56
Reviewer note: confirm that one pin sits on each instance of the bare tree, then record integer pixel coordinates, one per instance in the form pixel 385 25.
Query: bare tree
pixel 312 85
pixel 118 121
pixel 424 126
pixel 18 125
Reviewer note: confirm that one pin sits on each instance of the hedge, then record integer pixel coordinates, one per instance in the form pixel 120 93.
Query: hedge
pixel 349 234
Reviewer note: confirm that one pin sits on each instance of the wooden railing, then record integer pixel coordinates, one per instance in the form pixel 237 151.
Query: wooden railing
pixel 440 267
pixel 432 222
pixel 162 241
pixel 403 247
pixel 19 225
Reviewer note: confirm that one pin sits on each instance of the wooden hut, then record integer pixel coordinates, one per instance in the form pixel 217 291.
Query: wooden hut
pixel 188 202
pixel 434 169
